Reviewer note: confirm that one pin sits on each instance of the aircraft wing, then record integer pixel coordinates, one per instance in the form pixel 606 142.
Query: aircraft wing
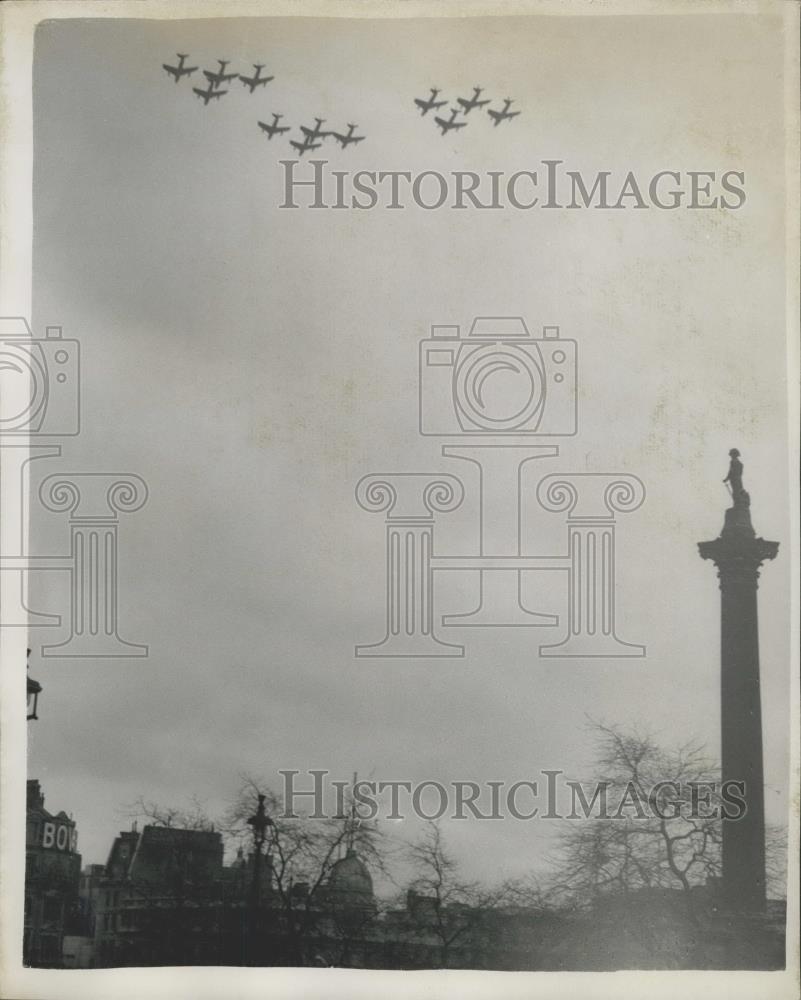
pixel 170 69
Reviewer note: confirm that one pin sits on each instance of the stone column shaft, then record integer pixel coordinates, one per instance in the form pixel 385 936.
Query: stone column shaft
pixel 738 554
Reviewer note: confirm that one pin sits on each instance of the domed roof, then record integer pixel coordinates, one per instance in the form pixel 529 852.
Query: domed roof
pixel 350 880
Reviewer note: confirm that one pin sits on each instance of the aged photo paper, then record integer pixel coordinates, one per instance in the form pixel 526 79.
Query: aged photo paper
pixel 399 449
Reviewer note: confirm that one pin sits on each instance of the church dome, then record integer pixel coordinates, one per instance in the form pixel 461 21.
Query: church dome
pixel 350 881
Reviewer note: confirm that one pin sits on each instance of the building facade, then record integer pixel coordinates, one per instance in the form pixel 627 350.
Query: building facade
pixel 52 877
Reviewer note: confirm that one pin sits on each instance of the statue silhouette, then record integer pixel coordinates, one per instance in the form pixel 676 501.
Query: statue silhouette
pixel 735 476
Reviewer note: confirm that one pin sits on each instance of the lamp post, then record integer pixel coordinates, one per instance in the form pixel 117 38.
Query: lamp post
pixel 33 914
pixel 34 690
pixel 260 821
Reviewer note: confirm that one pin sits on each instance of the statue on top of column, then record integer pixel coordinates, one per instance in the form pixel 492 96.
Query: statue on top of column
pixel 735 479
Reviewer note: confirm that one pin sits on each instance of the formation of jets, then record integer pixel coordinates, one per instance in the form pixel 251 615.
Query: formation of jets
pixel 464 106
pixel 311 137
pixel 216 78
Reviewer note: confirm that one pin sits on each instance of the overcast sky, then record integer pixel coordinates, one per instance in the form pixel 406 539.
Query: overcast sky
pixel 252 364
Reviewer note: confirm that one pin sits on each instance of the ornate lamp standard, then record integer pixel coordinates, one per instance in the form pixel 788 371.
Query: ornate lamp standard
pixel 34 690
pixel 33 915
pixel 260 821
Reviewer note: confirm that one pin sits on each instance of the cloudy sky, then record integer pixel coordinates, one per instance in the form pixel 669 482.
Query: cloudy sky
pixel 252 364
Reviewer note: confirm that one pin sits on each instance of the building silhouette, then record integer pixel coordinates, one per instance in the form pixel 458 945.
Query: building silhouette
pixel 52 875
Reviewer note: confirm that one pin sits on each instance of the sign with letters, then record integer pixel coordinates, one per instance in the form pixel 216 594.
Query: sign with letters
pixel 59 836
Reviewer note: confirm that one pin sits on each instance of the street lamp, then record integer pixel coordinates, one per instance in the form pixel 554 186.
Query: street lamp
pixel 260 821
pixel 34 690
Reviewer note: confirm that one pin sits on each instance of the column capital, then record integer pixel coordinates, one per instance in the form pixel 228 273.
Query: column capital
pixel 738 558
pixel 738 553
pixel 409 495
pixel 93 496
pixel 591 496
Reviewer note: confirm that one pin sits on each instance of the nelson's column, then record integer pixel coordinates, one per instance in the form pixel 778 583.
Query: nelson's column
pixel 738 555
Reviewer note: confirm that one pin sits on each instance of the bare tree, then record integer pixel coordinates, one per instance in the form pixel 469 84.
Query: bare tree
pixel 300 855
pixel 659 826
pixel 192 817
pixel 442 905
pixel 641 838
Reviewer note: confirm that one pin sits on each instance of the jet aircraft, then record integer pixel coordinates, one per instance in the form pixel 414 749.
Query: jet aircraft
pixel 312 134
pixel 431 103
pixel 305 146
pixel 346 140
pixel 468 103
pixel 502 115
pixel 179 70
pixel 447 125
pixel 273 128
pixel 220 76
pixel 257 80
pixel 209 94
